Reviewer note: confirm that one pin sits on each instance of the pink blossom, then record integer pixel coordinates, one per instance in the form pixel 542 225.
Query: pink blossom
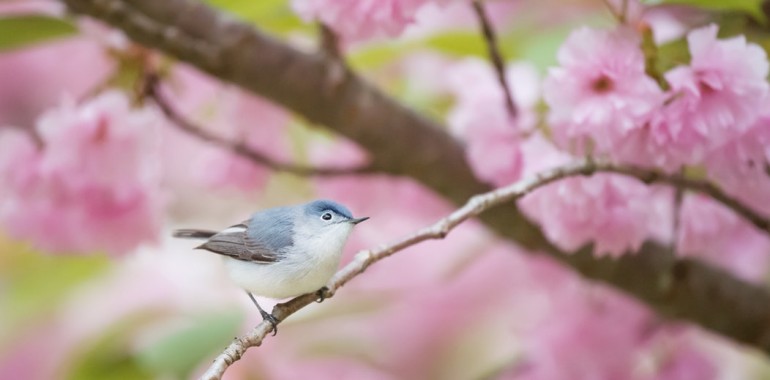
pixel 669 22
pixel 617 213
pixel 721 93
pixel 741 166
pixel 713 101
pixel 656 144
pixel 425 74
pixel 681 358
pixel 474 299
pixel 607 336
pixel 666 21
pixel 357 20
pixel 259 125
pixel 22 359
pixel 540 154
pixel 93 186
pixel 601 338
pixel 710 231
pixel 35 78
pixel 25 7
pixel 481 118
pixel 600 91
pixel 442 16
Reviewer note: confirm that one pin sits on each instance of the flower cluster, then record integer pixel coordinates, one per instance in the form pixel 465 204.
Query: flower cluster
pixel 480 117
pixel 357 20
pixel 95 184
pixel 603 102
pixel 601 97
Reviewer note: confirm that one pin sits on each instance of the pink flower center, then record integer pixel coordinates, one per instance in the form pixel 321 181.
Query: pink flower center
pixel 705 88
pixel 102 129
pixel 602 84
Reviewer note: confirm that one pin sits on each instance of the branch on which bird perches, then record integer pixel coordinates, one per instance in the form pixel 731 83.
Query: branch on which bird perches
pixel 473 207
pixel 153 91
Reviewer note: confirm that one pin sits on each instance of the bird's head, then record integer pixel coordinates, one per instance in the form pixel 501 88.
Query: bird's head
pixel 325 213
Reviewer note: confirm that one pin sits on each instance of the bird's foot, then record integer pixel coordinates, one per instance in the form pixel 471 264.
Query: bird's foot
pixel 321 294
pixel 270 319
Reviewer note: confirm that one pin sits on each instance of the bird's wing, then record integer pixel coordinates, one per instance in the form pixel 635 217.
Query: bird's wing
pixel 193 234
pixel 235 242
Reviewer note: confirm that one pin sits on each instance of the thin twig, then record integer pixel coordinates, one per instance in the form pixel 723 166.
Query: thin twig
pixel 624 9
pixel 330 42
pixel 676 221
pixel 334 77
pixel 152 90
pixel 622 14
pixel 759 221
pixel 475 206
pixel 494 55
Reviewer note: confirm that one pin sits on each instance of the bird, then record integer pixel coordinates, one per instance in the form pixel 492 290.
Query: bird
pixel 282 252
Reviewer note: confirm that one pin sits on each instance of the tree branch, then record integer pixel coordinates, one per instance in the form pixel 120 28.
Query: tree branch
pixel 439 230
pixel 495 56
pixel 680 182
pixel 330 42
pixel 153 91
pixel 404 143
pixel 621 14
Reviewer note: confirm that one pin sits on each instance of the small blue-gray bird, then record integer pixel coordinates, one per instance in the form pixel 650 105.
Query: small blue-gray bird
pixel 284 251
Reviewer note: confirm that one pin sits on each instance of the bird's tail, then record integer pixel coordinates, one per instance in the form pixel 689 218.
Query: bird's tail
pixel 193 234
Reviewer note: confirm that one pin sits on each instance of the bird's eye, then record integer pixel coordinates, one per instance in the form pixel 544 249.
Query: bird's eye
pixel 326 216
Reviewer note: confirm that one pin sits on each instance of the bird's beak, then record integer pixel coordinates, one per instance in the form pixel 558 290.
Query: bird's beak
pixel 358 220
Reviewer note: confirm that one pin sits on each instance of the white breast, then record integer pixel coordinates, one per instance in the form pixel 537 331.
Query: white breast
pixel 311 263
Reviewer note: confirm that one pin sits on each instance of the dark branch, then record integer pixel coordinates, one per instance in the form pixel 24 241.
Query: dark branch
pixel 153 91
pixel 330 42
pixel 495 56
pixel 619 14
pixel 680 182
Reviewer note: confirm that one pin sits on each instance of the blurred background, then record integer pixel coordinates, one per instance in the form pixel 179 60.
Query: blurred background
pixel 94 177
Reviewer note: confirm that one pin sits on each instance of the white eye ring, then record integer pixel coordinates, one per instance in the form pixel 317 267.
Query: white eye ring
pixel 326 216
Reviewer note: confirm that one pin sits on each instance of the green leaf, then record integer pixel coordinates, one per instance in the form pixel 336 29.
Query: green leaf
pixel 377 54
pixel 453 43
pixel 113 353
pixel 459 43
pixel 539 49
pixel 110 356
pixel 20 31
pixel 275 16
pixel 181 351
pixel 752 7
pixel 34 284
pixel 672 54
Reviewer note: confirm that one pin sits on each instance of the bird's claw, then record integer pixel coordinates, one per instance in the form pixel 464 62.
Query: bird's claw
pixel 321 294
pixel 270 319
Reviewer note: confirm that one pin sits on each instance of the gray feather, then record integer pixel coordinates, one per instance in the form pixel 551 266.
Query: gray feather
pixel 263 238
pixel 273 228
pixel 193 234
pixel 238 246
